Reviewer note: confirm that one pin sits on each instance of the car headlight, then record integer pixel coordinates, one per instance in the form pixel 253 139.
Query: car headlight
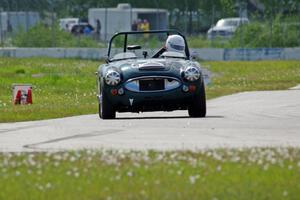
pixel 192 73
pixel 112 77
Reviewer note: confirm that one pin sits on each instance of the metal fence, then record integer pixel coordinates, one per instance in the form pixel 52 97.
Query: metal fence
pixel 36 23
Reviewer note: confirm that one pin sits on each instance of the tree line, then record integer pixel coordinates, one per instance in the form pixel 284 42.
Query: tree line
pixel 80 7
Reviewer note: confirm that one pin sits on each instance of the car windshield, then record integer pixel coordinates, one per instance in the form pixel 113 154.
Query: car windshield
pixel 172 55
pixel 124 55
pixel 227 22
pixel 138 45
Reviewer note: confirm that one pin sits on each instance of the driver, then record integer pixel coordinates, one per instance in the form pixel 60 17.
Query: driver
pixel 174 43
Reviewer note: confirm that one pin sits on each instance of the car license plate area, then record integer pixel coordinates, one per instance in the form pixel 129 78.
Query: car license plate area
pixel 152 84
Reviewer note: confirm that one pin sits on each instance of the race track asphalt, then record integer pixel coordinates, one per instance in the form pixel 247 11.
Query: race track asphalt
pixel 249 119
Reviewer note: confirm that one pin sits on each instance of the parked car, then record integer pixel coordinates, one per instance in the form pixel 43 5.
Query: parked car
pixel 136 80
pixel 66 23
pixel 81 28
pixel 225 28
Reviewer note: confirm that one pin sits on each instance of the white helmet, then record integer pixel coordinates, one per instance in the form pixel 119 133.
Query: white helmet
pixel 175 43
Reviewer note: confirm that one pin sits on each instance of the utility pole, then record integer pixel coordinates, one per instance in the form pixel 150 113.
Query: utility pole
pixel 185 17
pixel 299 22
pixel 212 23
pixel 1 31
pixel 52 23
pixel 271 23
pixel 157 14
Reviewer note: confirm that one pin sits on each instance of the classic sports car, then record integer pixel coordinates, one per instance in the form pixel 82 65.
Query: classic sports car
pixel 138 79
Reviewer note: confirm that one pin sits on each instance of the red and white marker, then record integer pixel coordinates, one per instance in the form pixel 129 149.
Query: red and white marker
pixel 22 94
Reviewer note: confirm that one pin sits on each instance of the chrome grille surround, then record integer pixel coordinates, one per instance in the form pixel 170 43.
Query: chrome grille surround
pixel 170 83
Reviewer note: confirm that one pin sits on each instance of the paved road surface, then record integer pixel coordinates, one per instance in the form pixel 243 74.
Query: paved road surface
pixel 269 118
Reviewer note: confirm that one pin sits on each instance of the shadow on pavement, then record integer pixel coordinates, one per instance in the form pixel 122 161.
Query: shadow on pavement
pixel 166 117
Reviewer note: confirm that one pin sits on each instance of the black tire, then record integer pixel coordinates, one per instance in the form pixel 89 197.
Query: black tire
pixel 198 105
pixel 106 110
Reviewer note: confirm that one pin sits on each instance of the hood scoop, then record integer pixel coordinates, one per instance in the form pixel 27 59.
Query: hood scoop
pixel 152 66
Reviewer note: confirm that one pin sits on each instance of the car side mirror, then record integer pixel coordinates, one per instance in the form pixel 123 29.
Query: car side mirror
pixel 194 55
pixel 145 54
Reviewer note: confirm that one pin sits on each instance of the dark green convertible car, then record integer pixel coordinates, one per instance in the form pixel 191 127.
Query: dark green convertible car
pixel 150 71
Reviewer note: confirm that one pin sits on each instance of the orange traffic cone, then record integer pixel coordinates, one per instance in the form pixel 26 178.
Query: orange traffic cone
pixel 29 97
pixel 18 98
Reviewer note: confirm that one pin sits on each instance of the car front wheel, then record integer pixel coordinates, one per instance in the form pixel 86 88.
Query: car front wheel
pixel 106 110
pixel 198 105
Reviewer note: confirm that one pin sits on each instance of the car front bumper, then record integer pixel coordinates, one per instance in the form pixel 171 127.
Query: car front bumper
pixel 129 101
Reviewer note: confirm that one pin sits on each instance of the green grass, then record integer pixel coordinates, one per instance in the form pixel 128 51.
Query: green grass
pixel 255 173
pixel 233 77
pixel 67 87
pixel 61 87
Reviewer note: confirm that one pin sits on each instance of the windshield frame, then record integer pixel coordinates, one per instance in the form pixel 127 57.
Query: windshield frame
pixel 168 32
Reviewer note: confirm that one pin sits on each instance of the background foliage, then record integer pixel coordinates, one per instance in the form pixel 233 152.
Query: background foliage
pixel 41 36
pixel 274 24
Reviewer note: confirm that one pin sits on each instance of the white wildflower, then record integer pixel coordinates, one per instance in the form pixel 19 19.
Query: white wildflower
pixel 57 157
pixel 72 159
pixel 179 172
pixel 118 177
pixel 130 174
pixel 48 185
pixel 235 159
pixel 40 187
pixel 109 198
pixel 76 174
pixel 192 179
pixel 266 167
pixel 143 192
pixel 18 173
pixel 273 161
pixel 69 173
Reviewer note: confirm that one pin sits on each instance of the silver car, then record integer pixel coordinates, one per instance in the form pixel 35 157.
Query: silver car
pixel 225 28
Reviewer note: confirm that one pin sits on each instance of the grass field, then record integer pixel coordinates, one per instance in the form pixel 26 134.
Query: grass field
pixel 67 87
pixel 257 173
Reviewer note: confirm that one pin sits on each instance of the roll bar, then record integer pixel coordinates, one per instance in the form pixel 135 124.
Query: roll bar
pixel 126 33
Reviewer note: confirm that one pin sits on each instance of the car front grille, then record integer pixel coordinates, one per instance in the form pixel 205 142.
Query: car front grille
pixel 152 84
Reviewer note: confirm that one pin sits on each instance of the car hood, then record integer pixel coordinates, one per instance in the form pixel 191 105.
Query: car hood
pixel 147 67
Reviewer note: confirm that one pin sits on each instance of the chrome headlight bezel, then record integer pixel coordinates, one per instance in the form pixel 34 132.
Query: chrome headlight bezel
pixel 192 73
pixel 112 77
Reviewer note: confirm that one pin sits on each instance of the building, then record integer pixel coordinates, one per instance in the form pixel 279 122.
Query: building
pixel 12 22
pixel 121 18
